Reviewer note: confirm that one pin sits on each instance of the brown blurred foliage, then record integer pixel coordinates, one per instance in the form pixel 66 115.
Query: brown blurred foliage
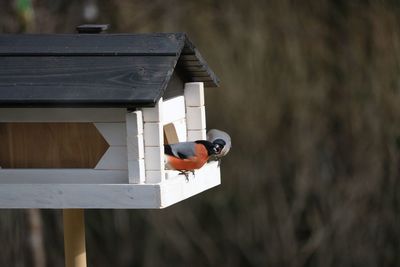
pixel 311 96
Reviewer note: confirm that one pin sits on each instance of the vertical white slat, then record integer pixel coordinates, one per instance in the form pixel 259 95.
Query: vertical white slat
pixel 154 158
pixel 196 118
pixel 134 123
pixel 135 147
pixel 194 94
pixel 153 134
pixel 154 114
pixel 136 171
pixel 195 111
pixel 154 143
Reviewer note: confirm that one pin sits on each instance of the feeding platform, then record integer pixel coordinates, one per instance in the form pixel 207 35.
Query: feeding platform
pixel 84 118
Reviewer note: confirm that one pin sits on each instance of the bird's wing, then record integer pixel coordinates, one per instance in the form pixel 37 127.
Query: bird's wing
pixel 183 150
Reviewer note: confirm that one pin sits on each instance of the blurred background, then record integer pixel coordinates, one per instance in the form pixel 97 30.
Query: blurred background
pixel 310 93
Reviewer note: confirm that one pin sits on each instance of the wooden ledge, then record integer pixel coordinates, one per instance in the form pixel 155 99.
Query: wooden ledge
pixel 109 196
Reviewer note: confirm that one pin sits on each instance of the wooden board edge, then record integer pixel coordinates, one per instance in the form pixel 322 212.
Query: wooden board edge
pixel 176 189
pixel 82 196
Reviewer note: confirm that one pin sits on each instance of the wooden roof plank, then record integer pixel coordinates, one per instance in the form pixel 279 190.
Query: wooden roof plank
pixel 91 44
pixel 82 80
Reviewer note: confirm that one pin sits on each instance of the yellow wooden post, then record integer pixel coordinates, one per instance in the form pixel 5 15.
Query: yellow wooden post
pixel 74 238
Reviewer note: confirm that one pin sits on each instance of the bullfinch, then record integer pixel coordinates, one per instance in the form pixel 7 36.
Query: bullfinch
pixel 188 156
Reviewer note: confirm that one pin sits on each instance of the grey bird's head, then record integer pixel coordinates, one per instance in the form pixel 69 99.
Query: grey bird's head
pixel 221 141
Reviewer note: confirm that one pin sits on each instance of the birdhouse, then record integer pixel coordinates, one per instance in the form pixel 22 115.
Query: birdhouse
pixel 84 119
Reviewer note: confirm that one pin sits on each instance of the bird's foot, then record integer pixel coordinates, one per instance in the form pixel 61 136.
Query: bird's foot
pixel 186 173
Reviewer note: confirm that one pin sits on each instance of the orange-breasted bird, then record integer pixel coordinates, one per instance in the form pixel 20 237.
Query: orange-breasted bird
pixel 188 156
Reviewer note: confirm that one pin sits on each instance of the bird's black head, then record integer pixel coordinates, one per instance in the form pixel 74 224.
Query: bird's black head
pixel 211 149
pixel 219 144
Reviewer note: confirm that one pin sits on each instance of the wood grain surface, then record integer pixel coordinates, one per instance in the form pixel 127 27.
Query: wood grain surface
pixel 92 44
pixel 50 145
pixel 83 81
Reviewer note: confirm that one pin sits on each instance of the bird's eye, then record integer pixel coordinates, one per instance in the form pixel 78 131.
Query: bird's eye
pixel 219 145
pixel 218 148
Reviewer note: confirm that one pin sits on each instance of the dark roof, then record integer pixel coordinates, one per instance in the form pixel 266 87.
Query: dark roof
pixel 110 70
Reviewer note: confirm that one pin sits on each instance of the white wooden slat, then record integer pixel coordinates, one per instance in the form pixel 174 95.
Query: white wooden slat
pixel 154 114
pixel 115 158
pixel 153 134
pixel 62 176
pixel 62 114
pixel 181 131
pixel 135 147
pixel 154 158
pixel 196 118
pixel 84 196
pixel 134 123
pixel 173 109
pixel 102 196
pixel 113 132
pixel 194 135
pixel 136 170
pixel 155 177
pixel 194 94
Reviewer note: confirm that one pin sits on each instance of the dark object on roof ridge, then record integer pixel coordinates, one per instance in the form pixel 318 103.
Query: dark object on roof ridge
pixel 88 70
pixel 92 28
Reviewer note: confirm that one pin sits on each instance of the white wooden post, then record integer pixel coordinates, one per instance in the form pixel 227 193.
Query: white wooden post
pixel 154 143
pixel 135 147
pixel 195 111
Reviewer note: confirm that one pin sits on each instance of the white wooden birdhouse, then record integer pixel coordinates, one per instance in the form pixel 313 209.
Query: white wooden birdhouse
pixel 84 117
